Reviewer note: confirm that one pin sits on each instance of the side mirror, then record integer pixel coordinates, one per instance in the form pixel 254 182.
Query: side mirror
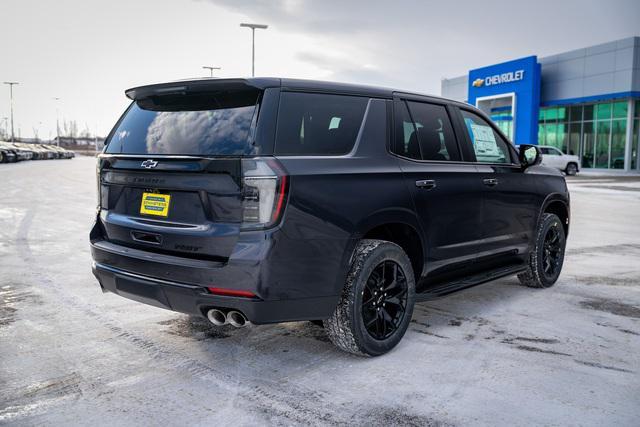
pixel 529 155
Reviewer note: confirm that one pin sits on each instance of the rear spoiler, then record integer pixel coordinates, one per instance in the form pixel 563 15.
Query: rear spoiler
pixel 202 85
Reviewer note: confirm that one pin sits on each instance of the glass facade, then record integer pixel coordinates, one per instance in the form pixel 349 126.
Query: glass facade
pixel 503 117
pixel 635 153
pixel 595 132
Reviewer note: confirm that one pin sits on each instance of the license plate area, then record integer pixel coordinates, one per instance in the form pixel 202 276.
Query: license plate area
pixel 155 204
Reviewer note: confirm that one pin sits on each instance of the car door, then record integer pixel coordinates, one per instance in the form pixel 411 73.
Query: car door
pixel 558 158
pixel 551 157
pixel 447 192
pixel 510 200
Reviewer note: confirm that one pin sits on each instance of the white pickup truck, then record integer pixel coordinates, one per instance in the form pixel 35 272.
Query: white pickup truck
pixel 554 158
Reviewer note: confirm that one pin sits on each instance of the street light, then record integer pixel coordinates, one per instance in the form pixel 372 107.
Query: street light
pixel 211 69
pixel 253 43
pixel 57 120
pixel 11 97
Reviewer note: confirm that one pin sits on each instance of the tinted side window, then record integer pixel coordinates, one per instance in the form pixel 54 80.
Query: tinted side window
pixel 425 133
pixel 318 124
pixel 488 145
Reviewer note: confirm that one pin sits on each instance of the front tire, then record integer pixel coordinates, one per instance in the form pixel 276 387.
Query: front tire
pixel 377 300
pixel 571 169
pixel 547 257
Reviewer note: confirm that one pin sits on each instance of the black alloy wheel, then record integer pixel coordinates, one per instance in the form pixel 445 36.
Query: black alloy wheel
pixel 552 252
pixel 547 257
pixel 384 300
pixel 377 300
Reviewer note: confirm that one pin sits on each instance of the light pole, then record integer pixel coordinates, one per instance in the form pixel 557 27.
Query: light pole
pixel 57 120
pixel 211 69
pixel 253 43
pixel 11 97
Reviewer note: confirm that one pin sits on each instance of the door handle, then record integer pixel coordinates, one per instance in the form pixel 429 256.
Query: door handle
pixel 491 182
pixel 427 184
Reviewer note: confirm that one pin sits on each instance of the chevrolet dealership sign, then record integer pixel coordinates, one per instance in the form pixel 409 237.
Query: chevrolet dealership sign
pixel 496 79
pixel 518 80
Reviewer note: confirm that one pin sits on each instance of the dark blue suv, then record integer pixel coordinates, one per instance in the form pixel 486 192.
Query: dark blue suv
pixel 271 200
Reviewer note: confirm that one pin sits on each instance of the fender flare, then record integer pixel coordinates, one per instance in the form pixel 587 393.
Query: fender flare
pixel 385 216
pixel 556 197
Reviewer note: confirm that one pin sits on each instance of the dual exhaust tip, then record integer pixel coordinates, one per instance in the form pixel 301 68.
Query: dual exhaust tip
pixel 233 317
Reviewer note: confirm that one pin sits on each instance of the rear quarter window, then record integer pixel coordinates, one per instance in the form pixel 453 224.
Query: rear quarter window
pixel 318 124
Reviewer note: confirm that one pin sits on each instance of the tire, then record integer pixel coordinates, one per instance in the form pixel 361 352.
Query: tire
pixel 2 159
pixel 571 169
pixel 547 257
pixel 378 268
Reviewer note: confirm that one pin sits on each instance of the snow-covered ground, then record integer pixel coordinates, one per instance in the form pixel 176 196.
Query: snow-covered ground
pixel 498 354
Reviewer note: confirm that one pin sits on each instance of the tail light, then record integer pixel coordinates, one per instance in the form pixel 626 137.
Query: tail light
pixel 264 193
pixel 98 189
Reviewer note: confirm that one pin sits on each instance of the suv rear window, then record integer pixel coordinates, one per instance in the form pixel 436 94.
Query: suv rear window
pixel 216 123
pixel 318 124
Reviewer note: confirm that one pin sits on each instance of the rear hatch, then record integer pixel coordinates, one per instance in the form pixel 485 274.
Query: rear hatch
pixel 171 179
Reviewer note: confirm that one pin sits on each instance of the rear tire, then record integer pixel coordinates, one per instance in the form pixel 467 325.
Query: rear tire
pixel 571 169
pixel 547 257
pixel 377 300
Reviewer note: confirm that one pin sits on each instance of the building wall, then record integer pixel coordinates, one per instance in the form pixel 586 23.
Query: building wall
pixel 590 103
pixel 455 88
pixel 604 71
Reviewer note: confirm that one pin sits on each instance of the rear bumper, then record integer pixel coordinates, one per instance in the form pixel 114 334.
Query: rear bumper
pixel 195 300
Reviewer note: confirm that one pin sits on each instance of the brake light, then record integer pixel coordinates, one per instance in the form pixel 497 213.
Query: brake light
pixel 280 204
pixel 232 292
pixel 98 189
pixel 263 194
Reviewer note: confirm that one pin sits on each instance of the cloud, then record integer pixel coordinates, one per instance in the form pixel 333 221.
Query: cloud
pixel 414 44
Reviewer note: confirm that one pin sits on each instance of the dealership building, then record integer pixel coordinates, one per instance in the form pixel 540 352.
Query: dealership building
pixel 585 101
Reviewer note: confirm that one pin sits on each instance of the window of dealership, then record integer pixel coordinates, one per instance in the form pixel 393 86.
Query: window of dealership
pixel 585 102
pixel 595 132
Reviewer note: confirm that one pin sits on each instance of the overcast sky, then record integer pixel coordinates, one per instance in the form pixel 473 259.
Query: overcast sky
pixel 87 52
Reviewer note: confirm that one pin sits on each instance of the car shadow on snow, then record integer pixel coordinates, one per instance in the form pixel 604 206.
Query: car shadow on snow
pixel 445 318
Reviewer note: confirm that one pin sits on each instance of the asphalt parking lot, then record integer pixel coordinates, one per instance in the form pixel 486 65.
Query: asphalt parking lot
pixel 498 354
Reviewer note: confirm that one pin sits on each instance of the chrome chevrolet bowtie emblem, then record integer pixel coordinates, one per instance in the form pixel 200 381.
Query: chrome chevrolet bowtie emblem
pixel 149 164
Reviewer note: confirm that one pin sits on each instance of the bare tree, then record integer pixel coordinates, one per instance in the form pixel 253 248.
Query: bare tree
pixel 70 129
pixel 86 133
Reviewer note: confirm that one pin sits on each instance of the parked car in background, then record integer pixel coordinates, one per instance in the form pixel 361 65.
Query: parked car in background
pixel 18 151
pixel 555 158
pixel 63 153
pixel 21 152
pixel 49 151
pixel 38 152
pixel 7 153
pixel 35 154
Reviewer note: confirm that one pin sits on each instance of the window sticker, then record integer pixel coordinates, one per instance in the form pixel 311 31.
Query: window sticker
pixel 484 140
pixel 335 122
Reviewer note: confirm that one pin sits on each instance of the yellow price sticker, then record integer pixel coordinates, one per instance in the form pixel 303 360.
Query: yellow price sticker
pixel 155 204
